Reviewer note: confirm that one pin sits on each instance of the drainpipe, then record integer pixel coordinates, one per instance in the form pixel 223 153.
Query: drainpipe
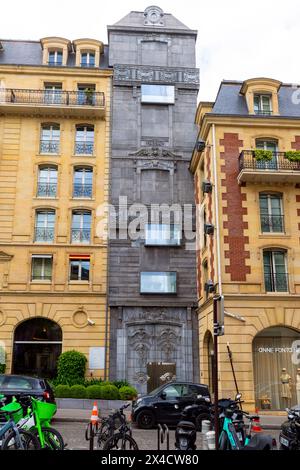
pixel 108 244
pixel 217 232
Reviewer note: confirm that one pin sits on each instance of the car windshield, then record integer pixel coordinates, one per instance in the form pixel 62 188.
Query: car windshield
pixel 18 383
pixel 2 379
pixel 156 390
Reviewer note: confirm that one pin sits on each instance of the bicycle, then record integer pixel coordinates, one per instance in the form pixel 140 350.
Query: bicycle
pixel 16 439
pixel 38 419
pixel 122 440
pixel 109 425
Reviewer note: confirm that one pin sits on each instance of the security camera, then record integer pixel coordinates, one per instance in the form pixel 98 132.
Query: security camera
pixel 90 322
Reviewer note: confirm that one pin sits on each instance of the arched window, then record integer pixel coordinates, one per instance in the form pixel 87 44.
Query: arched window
pixel 50 137
pixel 274 369
pixel 269 145
pixel 87 59
pixel 84 140
pixel 55 57
pixel 81 226
pixel 37 345
pixel 275 270
pixel 44 225
pixel 83 182
pixel 47 181
pixel 271 212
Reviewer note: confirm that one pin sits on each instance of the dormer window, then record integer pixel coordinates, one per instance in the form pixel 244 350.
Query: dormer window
pixel 55 58
pixel 263 104
pixel 88 59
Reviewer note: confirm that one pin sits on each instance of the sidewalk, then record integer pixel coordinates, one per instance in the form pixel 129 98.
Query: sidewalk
pixel 83 416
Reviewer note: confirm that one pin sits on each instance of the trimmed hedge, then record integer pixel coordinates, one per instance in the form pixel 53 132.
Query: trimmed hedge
pixel 77 391
pixel 127 393
pixel 93 391
pixel 62 391
pixel 2 368
pixel 110 392
pixel 71 368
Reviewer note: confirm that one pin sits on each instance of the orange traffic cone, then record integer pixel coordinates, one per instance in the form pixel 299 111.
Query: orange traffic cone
pixel 94 416
pixel 256 427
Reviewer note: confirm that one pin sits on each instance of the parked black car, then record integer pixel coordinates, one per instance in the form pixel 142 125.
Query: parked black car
pixel 166 403
pixel 14 385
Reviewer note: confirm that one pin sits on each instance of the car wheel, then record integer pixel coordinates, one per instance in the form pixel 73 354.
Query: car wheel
pixel 199 419
pixel 145 419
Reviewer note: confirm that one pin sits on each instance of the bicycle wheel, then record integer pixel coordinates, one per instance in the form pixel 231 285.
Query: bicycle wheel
pixel 28 440
pixel 53 439
pixel 120 442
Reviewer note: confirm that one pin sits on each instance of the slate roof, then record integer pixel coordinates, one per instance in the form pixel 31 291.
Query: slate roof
pixel 16 52
pixel 229 101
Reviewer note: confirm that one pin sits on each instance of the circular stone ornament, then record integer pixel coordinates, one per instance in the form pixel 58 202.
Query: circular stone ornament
pixel 80 319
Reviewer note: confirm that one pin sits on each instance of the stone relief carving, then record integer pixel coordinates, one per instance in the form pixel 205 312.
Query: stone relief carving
pixel 152 314
pixel 155 74
pixel 156 152
pixel 153 15
pixel 141 377
pixel 169 341
pixel 154 164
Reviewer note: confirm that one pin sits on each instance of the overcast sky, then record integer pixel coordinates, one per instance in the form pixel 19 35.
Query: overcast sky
pixel 236 39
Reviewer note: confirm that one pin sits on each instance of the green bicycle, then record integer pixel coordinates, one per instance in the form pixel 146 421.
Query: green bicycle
pixel 37 419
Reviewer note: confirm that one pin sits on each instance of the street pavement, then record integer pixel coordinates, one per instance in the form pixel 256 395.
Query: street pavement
pixel 74 435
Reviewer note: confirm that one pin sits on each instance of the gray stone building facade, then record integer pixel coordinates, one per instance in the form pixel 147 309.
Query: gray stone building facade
pixel 152 277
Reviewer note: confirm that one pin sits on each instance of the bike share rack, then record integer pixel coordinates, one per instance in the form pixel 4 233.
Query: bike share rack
pixel 162 436
pixel 90 433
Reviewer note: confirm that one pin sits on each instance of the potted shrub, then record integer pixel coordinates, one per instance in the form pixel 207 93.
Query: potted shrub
pixel 293 155
pixel 71 368
pixel 263 155
pixel 89 96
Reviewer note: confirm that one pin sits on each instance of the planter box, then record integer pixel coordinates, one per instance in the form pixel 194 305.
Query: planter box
pixel 85 404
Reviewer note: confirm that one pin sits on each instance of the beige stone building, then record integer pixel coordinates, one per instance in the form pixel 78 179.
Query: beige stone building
pixel 54 168
pixel 246 166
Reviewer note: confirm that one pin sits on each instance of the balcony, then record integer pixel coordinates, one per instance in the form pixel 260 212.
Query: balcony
pixel 84 148
pixel 46 190
pixel 81 235
pixel 82 190
pixel 272 223
pixel 45 235
pixel 276 282
pixel 49 146
pixel 52 103
pixel 278 170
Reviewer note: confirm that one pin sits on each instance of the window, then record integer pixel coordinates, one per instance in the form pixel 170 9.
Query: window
pixel 205 277
pixel 83 182
pixel 176 391
pixel 271 213
pixel 158 94
pixel 81 227
pixel 88 59
pixel 41 268
pixel 47 181
pixel 162 234
pixel 84 143
pixel 44 225
pixel 272 147
pixel 53 93
pixel 158 283
pixel 50 136
pixel 55 58
pixel 263 104
pixel 275 271
pixel 86 94
pixel 79 269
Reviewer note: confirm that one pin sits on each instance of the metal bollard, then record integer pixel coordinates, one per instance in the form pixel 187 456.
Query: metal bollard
pixel 211 440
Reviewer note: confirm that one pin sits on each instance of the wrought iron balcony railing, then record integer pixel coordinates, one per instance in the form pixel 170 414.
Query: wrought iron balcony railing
pixel 272 223
pixel 81 235
pixel 84 148
pixel 46 189
pixel 49 146
pixel 82 190
pixel 43 234
pixel 52 97
pixel 276 282
pixel 262 112
pixel 247 161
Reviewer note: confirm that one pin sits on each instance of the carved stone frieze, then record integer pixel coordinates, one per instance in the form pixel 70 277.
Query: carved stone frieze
pixel 155 74
pixel 156 152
